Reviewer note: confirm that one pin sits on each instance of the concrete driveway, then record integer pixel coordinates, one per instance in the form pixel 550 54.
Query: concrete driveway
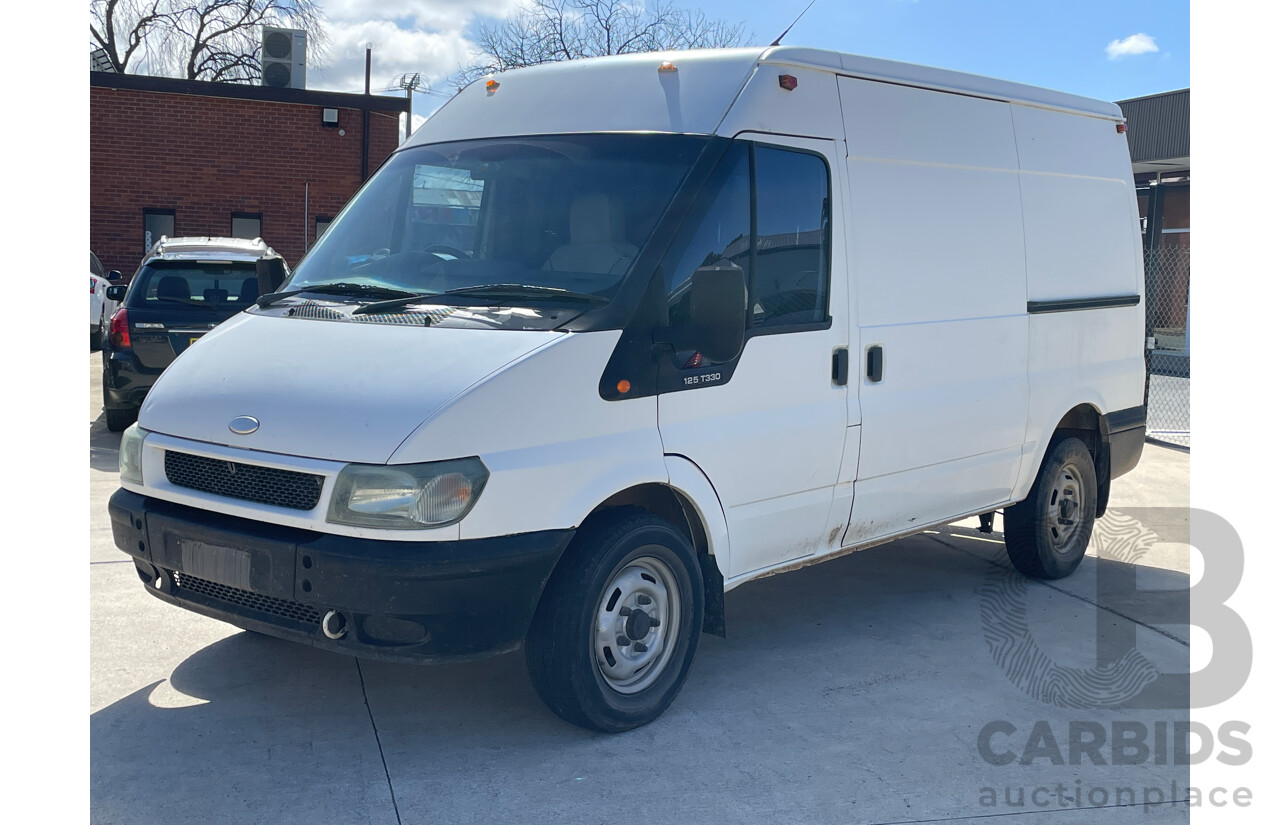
pixel 887 686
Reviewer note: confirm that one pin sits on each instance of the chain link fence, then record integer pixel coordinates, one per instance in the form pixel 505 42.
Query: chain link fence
pixel 1168 269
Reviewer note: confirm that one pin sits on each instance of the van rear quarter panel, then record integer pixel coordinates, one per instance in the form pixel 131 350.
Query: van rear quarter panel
pixel 1081 220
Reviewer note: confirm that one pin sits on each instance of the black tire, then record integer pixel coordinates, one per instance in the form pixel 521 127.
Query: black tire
pixel 119 420
pixel 561 648
pixel 96 335
pixel 1045 546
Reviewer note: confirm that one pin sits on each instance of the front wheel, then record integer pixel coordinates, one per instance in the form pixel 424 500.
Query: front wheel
pixel 1047 534
pixel 617 627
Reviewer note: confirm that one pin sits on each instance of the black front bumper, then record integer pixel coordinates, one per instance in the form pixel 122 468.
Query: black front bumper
pixel 401 601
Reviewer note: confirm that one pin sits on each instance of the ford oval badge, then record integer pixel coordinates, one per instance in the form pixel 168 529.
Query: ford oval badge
pixel 243 425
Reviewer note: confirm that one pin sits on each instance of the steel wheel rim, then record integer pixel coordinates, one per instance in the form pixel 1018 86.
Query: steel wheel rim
pixel 636 623
pixel 1064 508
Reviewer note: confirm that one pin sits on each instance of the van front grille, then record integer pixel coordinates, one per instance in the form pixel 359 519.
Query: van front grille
pixel 249 482
pixel 294 611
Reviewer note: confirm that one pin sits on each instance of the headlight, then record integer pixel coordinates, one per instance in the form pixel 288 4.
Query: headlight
pixel 131 453
pixel 406 496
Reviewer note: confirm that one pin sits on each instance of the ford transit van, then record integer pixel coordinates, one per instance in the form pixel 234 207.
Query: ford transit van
pixel 608 338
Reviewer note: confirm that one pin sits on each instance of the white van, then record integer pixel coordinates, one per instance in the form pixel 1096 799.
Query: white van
pixel 608 338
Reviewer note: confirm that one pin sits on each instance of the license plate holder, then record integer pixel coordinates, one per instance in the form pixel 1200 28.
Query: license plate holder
pixel 224 565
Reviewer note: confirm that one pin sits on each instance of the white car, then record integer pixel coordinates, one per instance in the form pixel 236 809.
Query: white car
pixel 607 338
pixel 101 308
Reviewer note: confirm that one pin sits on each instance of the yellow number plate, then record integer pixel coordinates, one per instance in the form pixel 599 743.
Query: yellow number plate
pixel 194 338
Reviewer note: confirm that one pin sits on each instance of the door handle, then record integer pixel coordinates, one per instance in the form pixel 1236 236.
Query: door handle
pixel 840 367
pixel 875 363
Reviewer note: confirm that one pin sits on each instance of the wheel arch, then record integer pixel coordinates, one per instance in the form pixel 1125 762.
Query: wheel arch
pixel 688 501
pixel 1088 423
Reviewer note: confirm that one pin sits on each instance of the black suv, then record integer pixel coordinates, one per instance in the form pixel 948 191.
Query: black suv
pixel 184 288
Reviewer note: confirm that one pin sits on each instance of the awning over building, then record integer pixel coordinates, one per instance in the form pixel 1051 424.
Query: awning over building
pixel 1159 131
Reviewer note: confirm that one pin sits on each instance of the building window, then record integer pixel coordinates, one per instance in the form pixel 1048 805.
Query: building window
pixel 156 223
pixel 322 224
pixel 246 225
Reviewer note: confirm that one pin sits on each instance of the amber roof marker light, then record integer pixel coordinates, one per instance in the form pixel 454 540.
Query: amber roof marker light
pixel 667 66
pixel 788 82
pixel 492 86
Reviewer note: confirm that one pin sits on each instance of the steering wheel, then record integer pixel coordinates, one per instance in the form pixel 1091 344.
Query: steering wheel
pixel 446 249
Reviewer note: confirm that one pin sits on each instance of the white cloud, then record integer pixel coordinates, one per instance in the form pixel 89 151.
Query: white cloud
pixel 436 15
pixel 1131 45
pixel 424 36
pixel 395 50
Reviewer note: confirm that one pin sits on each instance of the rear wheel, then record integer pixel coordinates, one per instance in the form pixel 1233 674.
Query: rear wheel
pixel 1047 534
pixel 616 630
pixel 96 335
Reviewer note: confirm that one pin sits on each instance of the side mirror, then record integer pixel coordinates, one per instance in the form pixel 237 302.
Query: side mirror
pixel 718 310
pixel 270 274
pixel 114 275
pixel 116 293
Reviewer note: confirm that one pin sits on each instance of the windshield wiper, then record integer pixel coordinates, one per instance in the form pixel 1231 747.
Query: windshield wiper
pixel 392 303
pixel 485 291
pixel 340 288
pixel 186 301
pixel 526 291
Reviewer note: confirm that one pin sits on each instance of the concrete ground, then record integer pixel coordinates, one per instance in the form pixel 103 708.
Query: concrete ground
pixel 854 691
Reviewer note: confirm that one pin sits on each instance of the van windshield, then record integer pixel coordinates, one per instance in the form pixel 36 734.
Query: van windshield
pixel 516 220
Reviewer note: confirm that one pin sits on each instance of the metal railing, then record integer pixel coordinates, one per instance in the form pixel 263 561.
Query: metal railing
pixel 1168 282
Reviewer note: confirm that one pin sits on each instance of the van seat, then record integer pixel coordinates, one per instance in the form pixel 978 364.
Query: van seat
pixel 597 238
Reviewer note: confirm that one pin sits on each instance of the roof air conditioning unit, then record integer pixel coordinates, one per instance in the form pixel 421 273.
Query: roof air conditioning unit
pixel 284 58
pixel 99 61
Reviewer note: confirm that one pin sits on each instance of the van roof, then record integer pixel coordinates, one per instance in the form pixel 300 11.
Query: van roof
pixel 626 93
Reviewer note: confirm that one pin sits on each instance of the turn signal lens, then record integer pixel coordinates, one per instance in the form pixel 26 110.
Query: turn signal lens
pixel 788 82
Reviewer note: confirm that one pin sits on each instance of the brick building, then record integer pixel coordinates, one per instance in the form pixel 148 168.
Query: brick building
pixel 181 157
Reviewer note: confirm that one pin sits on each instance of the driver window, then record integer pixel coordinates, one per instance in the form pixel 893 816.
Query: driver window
pixel 723 233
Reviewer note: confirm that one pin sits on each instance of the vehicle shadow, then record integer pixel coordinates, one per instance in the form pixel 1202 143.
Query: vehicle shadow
pixel 841 691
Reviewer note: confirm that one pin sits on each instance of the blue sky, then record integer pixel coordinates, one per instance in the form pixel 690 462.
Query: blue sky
pixel 1060 44
pixel 1052 43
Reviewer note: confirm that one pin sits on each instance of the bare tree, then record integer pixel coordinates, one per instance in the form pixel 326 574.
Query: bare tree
pixel 545 31
pixel 217 40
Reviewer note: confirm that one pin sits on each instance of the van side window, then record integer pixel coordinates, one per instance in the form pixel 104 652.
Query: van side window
pixel 723 233
pixel 785 251
pixel 792 243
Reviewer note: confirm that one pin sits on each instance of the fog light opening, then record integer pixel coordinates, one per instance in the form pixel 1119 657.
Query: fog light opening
pixel 334 624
